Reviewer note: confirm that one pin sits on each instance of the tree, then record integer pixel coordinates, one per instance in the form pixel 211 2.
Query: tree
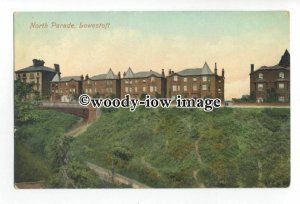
pixel 25 101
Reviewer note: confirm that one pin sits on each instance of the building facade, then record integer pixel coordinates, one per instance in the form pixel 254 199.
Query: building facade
pixel 103 85
pixel 141 83
pixel 40 75
pixel 66 89
pixel 271 83
pixel 196 83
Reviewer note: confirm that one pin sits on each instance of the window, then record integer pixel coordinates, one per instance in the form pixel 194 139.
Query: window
pixel 204 87
pixel 144 88
pixel 174 88
pixel 86 90
pixel 136 81
pixel 130 89
pixel 204 78
pixel 194 79
pixel 175 78
pixel 260 87
pixel 126 81
pixel 126 89
pixel 151 89
pixel 136 89
pixel 95 90
pixel 95 83
pixel 31 76
pixel 281 85
pixel 185 88
pixel 88 82
pixel 130 82
pixel 281 75
pixel 195 88
pixel 144 80
pixel 66 83
pixel 90 90
pixel 281 98
pixel 155 88
pixel 152 79
pixel 219 90
pixel 178 88
pixel 260 75
pixel 185 79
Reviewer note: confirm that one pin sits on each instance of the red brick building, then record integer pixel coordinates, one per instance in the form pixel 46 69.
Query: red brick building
pixel 66 89
pixel 39 75
pixel 141 83
pixel 196 83
pixel 271 83
pixel 103 85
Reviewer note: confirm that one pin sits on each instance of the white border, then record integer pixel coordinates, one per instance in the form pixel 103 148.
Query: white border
pixel 9 195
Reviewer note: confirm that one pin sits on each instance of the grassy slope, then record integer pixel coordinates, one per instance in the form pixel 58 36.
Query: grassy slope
pixel 238 147
pixel 32 144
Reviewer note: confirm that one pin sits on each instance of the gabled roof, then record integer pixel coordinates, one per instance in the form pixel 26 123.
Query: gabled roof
pixel 69 78
pixel 130 74
pixel 109 75
pixel 56 78
pixel 205 70
pixel 35 69
pixel 275 67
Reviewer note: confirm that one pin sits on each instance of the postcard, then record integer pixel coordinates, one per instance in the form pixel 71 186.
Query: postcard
pixel 168 99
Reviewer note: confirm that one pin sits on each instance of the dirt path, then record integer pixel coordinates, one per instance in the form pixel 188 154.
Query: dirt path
pixel 106 175
pixel 149 166
pixel 199 160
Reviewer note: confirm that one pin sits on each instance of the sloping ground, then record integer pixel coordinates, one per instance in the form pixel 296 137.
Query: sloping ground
pixel 115 178
pixel 191 148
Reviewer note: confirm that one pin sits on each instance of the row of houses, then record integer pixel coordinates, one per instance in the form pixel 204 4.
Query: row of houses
pixel 192 82
pixel 267 83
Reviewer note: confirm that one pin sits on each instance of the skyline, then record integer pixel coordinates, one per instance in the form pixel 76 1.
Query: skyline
pixel 156 40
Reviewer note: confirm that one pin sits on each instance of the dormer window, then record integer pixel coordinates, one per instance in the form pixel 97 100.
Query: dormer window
pixel 260 75
pixel 281 75
pixel 152 79
pixel 175 78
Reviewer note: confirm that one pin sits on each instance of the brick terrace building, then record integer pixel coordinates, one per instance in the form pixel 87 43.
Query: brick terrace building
pixel 271 83
pixel 39 75
pixel 196 83
pixel 140 83
pixel 65 89
pixel 103 85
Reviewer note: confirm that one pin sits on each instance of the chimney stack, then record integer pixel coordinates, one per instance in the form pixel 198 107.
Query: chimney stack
pixel 81 77
pixel 38 63
pixel 57 69
pixel 170 72
pixel 86 77
pixel 223 73
pixel 119 75
pixel 252 68
pixel 216 71
pixel 163 72
pixel 124 74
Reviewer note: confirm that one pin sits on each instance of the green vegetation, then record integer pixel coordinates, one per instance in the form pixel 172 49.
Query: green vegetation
pixel 191 148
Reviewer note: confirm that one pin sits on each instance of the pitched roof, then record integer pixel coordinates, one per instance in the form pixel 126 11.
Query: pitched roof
pixel 130 74
pixel 69 78
pixel 35 69
pixel 56 78
pixel 272 68
pixel 109 75
pixel 205 70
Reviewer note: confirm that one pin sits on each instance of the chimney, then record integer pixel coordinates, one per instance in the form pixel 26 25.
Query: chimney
pixel 216 71
pixel 119 75
pixel 81 77
pixel 57 69
pixel 223 73
pixel 86 77
pixel 124 74
pixel 170 71
pixel 252 68
pixel 38 63
pixel 163 72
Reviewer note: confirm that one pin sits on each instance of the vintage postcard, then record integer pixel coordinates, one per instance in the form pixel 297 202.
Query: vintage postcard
pixel 152 99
